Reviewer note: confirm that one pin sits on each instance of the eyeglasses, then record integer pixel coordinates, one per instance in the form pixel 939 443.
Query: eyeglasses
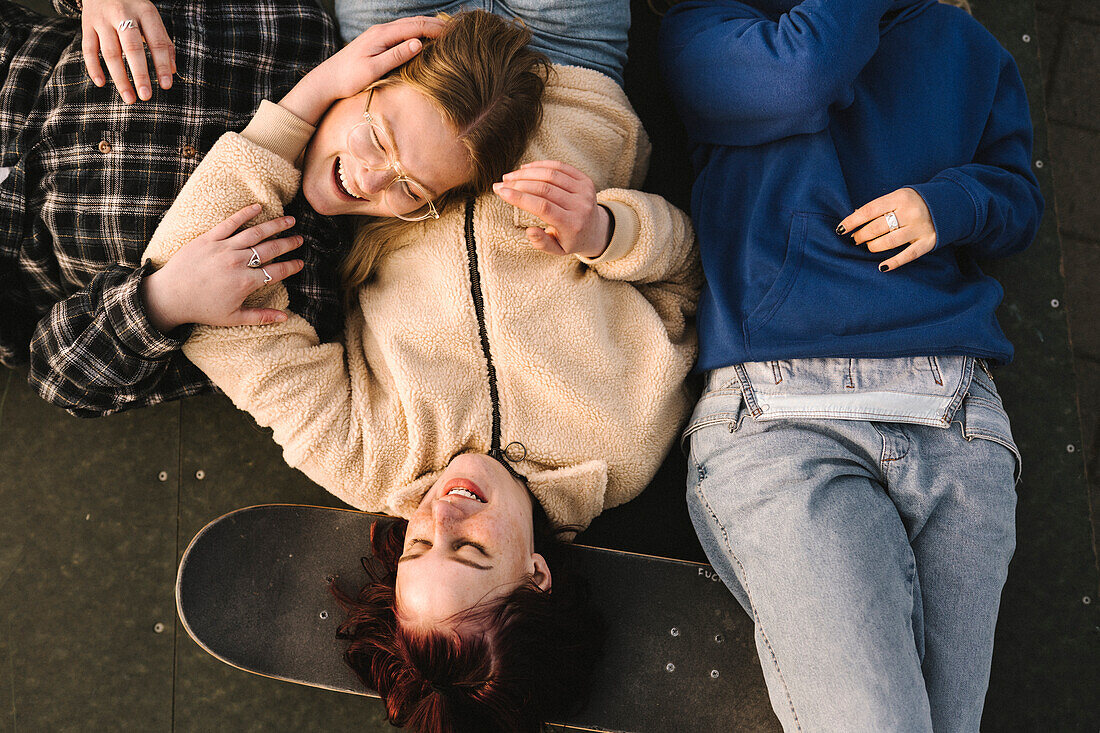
pixel 371 145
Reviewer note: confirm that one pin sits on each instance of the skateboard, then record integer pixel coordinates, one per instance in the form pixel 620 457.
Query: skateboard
pixel 253 591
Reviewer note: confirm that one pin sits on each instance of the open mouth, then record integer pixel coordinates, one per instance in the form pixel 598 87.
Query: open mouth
pixel 339 176
pixel 465 488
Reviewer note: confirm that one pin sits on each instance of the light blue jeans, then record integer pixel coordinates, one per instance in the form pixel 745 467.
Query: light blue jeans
pixel 592 34
pixel 870 554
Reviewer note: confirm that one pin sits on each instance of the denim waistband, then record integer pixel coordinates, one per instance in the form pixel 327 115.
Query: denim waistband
pixel 926 390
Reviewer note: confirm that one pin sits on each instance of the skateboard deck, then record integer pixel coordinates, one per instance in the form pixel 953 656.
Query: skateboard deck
pixel 252 590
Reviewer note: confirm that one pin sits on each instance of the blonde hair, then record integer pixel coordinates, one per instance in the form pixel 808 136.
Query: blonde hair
pixel 487 84
pixel 964 4
pixel 660 7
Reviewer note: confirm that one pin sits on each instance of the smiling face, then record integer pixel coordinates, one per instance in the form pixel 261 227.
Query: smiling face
pixel 470 541
pixel 428 150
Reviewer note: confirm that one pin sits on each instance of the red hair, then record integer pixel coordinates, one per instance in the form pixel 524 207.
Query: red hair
pixel 533 663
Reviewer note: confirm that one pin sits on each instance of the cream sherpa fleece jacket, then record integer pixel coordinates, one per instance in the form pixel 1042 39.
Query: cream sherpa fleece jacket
pixel 589 356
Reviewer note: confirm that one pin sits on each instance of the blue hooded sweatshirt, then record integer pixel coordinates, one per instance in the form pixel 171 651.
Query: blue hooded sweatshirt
pixel 798 114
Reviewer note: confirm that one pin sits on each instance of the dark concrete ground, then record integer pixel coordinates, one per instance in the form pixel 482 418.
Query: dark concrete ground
pixel 94 514
pixel 1069 50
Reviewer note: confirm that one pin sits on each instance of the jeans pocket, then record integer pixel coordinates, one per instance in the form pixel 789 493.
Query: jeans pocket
pixel 776 294
pixel 983 416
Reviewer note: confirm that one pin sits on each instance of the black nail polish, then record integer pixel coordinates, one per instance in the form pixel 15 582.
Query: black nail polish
pixel 840 230
pixel 883 267
pixel 852 240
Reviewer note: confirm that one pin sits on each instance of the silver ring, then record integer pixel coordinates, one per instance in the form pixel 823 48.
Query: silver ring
pixel 267 278
pixel 892 220
pixel 126 25
pixel 255 261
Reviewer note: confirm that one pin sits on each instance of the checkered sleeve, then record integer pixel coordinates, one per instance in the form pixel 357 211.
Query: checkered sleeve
pixel 90 178
pixel 96 353
pixel 70 8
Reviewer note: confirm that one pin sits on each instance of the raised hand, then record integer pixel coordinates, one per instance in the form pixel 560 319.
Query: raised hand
pixel 120 29
pixel 208 279
pixel 564 198
pixel 378 50
pixel 898 219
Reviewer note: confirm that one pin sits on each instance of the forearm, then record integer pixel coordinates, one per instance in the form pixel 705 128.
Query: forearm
pixel 993 211
pixel 96 353
pixel 739 77
pixel 652 241
pixel 310 97
pixel 300 388
pixel 234 174
pixel 992 204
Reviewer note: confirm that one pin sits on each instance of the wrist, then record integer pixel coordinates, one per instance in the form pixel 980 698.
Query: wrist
pixel 306 100
pixel 609 216
pixel 157 301
pixel 606 227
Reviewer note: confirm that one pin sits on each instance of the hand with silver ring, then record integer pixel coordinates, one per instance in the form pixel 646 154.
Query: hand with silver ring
pixel 209 278
pixel 898 219
pixel 120 30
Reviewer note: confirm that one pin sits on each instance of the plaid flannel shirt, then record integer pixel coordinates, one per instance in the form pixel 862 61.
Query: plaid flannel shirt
pixel 90 178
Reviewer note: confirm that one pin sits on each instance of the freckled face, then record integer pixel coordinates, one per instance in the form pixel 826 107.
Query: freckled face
pixel 471 540
pixel 426 147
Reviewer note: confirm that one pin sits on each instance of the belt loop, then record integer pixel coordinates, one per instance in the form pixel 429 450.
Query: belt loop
pixel 747 391
pixel 962 391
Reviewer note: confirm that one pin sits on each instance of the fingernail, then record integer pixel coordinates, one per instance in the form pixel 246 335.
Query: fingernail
pixel 289 220
pixel 840 230
pixel 280 318
pixel 852 239
pixel 99 81
pixel 415 45
pixel 145 93
pixel 255 207
pixel 300 239
pixel 883 267
pixel 165 81
pixel 128 97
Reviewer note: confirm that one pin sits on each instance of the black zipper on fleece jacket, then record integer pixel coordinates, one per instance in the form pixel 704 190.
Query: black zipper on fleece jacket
pixel 479 308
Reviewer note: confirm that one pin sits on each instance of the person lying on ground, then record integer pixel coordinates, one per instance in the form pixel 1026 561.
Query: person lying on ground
pixel 516 342
pixel 91 169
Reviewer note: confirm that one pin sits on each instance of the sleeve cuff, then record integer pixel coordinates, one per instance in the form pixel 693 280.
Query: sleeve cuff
pixel 624 237
pixel 127 317
pixel 280 131
pixel 954 211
